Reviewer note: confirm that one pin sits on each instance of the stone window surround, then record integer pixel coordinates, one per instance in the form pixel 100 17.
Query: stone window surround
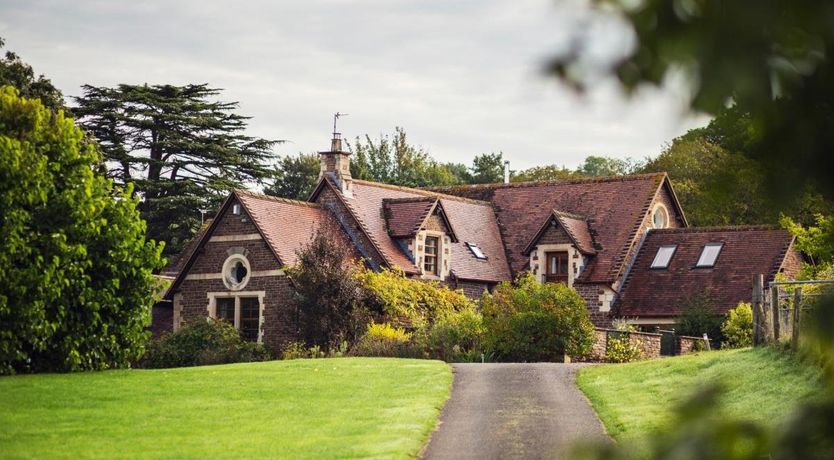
pixel 212 307
pixel 227 266
pixel 538 259
pixel 660 207
pixel 443 258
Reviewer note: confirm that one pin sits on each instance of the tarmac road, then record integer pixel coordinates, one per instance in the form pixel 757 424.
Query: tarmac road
pixel 500 411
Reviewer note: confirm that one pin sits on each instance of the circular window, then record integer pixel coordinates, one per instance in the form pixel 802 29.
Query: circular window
pixel 236 272
pixel 660 218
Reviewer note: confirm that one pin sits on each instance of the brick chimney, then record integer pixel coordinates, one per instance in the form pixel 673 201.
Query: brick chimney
pixel 336 165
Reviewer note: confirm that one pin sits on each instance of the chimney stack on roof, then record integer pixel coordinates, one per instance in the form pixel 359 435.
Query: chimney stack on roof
pixel 335 164
pixel 506 171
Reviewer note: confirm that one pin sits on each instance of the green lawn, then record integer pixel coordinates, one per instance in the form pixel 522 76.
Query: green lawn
pixel 324 408
pixel 635 399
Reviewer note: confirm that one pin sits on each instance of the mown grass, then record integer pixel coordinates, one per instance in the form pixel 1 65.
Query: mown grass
pixel 633 400
pixel 323 408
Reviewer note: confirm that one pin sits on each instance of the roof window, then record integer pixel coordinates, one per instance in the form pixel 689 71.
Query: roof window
pixel 709 254
pixel 663 256
pixel 476 251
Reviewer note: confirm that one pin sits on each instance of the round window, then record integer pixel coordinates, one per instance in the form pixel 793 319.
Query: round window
pixel 236 272
pixel 660 219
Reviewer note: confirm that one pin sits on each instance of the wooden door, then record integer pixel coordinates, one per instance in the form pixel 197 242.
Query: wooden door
pixel 556 270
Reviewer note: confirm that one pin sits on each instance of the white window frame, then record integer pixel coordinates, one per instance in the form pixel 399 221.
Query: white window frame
pixel 476 251
pixel 212 307
pixel 660 208
pixel 655 262
pixel 702 262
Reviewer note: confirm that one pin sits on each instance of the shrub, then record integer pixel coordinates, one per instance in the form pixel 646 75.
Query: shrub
pixel 620 349
pixel 410 302
pixel 299 350
pixel 203 343
pixel 698 317
pixel 385 340
pixel 457 336
pixel 738 327
pixel 528 321
pixel 77 282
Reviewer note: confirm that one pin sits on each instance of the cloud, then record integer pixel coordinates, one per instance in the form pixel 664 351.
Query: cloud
pixel 462 77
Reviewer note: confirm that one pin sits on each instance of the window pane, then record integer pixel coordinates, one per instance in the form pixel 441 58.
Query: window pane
pixel 249 318
pixel 663 256
pixel 476 251
pixel 226 309
pixel 709 254
pixel 563 264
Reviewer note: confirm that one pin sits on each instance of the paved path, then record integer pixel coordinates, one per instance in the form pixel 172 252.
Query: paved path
pixel 514 411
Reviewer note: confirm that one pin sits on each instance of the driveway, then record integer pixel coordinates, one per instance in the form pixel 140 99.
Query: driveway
pixel 514 411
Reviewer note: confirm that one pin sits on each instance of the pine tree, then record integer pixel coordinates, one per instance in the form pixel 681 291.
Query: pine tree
pixel 181 148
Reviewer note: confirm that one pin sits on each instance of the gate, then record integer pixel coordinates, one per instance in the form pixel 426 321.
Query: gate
pixel 668 343
pixel 779 308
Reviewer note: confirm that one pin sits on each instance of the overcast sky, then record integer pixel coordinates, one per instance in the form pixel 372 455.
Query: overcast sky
pixel 462 77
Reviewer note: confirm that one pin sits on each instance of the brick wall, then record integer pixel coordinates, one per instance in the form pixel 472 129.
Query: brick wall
pixel 792 263
pixel 554 235
pixel 330 201
pixel 591 293
pixel 472 289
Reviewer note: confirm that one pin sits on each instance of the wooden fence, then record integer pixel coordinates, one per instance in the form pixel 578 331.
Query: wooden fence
pixel 779 308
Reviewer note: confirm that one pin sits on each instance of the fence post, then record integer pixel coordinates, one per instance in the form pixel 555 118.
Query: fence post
pixel 774 306
pixel 758 295
pixel 797 313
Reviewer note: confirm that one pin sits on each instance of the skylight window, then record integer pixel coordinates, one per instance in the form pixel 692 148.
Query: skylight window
pixel 709 254
pixel 663 256
pixel 476 251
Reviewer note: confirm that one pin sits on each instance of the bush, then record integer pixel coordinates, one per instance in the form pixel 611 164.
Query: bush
pixel 410 302
pixel 457 337
pixel 77 282
pixel 738 327
pixel 385 340
pixel 620 349
pixel 204 343
pixel 698 318
pixel 298 350
pixel 528 321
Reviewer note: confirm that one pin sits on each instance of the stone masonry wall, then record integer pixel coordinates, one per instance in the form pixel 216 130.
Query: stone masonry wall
pixel 648 342
pixel 591 293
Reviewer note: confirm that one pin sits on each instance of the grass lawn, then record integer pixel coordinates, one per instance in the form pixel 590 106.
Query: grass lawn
pixel 635 399
pixel 323 408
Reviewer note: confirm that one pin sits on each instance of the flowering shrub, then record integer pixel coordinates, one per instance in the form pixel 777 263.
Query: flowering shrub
pixel 738 327
pixel 385 340
pixel 621 350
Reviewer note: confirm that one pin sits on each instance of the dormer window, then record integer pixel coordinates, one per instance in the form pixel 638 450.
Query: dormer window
pixel 663 256
pixel 709 254
pixel 476 251
pixel 430 255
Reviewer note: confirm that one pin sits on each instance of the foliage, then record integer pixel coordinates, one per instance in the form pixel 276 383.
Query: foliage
pixel 76 286
pixel 392 160
pixel 539 173
pixel 620 349
pixel 816 242
pixel 594 166
pixel 738 327
pixel 457 336
pixel 201 344
pixel 181 149
pixel 410 302
pixel 299 350
pixel 530 321
pixel 488 168
pixel 302 409
pixel 295 177
pixel 15 72
pixel 385 340
pixel 327 289
pixel 698 317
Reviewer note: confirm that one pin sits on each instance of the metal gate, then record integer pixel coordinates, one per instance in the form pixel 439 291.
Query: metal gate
pixel 668 343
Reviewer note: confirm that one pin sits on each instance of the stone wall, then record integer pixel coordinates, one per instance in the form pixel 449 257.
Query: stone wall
pixel 472 289
pixel 649 343
pixel 591 293
pixel 686 344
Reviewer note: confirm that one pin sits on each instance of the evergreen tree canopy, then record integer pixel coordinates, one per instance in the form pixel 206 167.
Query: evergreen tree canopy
pixel 182 149
pixel 15 72
pixel 76 284
pixel 295 177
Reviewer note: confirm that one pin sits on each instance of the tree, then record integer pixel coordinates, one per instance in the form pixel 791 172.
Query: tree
pixel 392 160
pixel 488 168
pixel 15 72
pixel 76 287
pixel 595 166
pixel 327 289
pixel 550 172
pixel 182 150
pixel 295 177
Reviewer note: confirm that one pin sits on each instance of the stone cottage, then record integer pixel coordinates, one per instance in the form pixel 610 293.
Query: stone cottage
pixel 608 238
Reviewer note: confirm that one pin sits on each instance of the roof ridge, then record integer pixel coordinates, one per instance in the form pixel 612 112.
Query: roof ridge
pixel 409 200
pixel 718 228
pixel 263 196
pixel 423 191
pixel 569 215
pixel 583 180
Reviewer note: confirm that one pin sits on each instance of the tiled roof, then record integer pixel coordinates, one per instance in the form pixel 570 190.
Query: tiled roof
pixel 404 216
pixel 472 221
pixel 575 226
pixel 747 251
pixel 614 208
pixel 288 225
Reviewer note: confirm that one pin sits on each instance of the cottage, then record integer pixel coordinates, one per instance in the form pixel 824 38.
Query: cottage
pixel 623 243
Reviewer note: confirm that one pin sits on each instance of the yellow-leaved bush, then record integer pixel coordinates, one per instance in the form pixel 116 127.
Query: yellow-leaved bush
pixel 385 340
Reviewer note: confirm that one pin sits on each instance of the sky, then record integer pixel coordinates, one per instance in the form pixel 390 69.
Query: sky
pixel 461 77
